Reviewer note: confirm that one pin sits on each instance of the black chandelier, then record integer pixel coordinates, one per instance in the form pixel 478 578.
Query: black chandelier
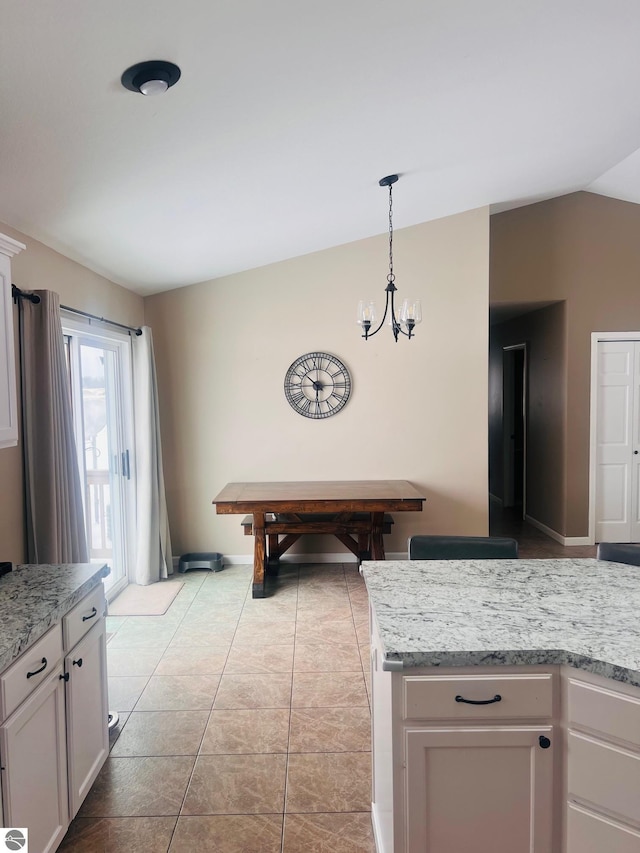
pixel 410 312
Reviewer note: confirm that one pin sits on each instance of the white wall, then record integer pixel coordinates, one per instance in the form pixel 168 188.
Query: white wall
pixel 418 409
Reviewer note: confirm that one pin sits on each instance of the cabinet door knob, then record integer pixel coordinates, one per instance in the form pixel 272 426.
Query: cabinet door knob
pixel 78 662
pixel 544 742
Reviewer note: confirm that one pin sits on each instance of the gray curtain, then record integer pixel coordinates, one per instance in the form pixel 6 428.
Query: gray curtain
pixel 54 513
pixel 154 560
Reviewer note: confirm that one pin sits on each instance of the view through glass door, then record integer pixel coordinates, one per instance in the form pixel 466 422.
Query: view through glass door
pixel 100 370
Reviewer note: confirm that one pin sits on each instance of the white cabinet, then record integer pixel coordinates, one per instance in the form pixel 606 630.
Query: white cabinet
pixel 603 765
pixel 87 713
pixel 464 760
pixel 54 735
pixel 8 397
pixel 34 783
pixel 486 789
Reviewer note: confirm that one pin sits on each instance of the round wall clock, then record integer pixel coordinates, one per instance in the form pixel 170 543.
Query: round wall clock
pixel 317 385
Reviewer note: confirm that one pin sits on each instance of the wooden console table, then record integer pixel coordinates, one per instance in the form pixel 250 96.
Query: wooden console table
pixel 346 506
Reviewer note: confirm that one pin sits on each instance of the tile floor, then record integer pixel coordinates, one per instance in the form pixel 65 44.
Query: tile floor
pixel 244 724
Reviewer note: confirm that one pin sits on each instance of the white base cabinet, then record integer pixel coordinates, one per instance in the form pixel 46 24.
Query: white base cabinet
pixel 54 735
pixel 87 713
pixel 503 760
pixel 464 761
pixel 603 765
pixel 478 789
pixel 34 785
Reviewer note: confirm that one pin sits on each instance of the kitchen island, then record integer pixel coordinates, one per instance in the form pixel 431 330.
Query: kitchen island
pixel 505 705
pixel 53 696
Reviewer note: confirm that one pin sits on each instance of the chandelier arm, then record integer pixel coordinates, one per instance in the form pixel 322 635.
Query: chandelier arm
pixel 381 324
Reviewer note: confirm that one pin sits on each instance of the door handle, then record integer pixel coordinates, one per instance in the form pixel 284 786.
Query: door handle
pixel 126 469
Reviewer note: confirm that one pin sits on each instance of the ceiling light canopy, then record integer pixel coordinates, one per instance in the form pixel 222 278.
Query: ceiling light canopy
pixel 151 78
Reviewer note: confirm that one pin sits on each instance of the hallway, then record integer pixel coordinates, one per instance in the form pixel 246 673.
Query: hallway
pixel 532 542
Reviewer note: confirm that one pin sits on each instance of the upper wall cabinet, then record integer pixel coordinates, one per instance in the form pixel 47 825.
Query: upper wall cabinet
pixel 8 402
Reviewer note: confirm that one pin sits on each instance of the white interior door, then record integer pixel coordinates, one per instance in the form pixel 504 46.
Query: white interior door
pixel 617 444
pixel 100 366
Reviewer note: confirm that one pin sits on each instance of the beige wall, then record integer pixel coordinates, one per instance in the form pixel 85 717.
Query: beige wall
pixel 418 409
pixel 40 268
pixel 582 248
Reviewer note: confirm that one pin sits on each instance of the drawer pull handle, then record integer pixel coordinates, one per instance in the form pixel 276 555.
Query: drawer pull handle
pixel 94 613
pixel 77 663
pixel 37 671
pixel 496 698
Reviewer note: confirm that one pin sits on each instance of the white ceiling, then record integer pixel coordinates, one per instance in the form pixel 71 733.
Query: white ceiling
pixel 287 114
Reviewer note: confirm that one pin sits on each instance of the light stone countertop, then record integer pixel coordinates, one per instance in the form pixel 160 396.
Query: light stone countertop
pixel 584 613
pixel 33 598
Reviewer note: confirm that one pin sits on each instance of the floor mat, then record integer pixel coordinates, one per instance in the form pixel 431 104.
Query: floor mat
pixel 151 600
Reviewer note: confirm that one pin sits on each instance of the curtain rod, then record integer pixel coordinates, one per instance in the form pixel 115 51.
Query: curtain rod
pixel 33 297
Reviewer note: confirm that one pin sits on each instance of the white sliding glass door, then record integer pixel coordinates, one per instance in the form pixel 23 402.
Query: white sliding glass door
pixel 100 370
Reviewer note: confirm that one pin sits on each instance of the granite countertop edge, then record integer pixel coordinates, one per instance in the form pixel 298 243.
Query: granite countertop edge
pixel 580 613
pixel 505 657
pixel 33 598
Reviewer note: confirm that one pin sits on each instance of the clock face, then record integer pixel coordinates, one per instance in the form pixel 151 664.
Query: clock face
pixel 317 385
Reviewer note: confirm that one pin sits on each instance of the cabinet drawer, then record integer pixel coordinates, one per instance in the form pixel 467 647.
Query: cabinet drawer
pixel 83 617
pixel 433 697
pixel 602 710
pixel 605 775
pixel 34 665
pixel 591 833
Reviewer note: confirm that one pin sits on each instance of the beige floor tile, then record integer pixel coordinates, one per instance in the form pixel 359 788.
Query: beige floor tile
pixel 228 834
pixel 331 633
pixel 260 659
pixel 276 607
pixel 212 634
pixel 198 660
pixel 124 691
pixel 328 833
pixel 136 638
pixel 162 733
pixel 119 835
pixel 329 782
pixel 362 630
pixel 254 691
pixel 265 632
pixel 131 787
pixel 124 662
pixel 330 730
pixel 236 784
pixel 325 611
pixel 328 690
pixel 318 657
pixel 246 731
pixel 179 693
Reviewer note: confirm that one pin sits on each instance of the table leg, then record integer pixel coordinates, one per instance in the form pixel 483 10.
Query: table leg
pixel 259 554
pixel 377 543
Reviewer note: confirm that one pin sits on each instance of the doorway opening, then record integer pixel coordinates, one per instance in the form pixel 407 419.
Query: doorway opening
pixel 102 400
pixel 514 428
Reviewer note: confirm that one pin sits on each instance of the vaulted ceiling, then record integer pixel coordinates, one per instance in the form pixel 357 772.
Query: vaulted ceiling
pixel 287 114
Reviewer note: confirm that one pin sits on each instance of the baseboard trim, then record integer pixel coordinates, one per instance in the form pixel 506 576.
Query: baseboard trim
pixel 247 559
pixel 553 534
pixel 377 829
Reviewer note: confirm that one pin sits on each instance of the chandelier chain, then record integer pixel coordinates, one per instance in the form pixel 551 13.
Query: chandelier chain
pixel 391 276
